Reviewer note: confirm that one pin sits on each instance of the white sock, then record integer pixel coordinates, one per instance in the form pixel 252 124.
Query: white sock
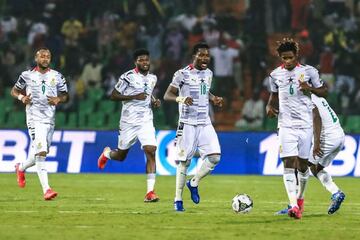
pixel 29 162
pixel 180 180
pixel 205 169
pixel 42 172
pixel 326 180
pixel 107 153
pixel 303 180
pixel 290 185
pixel 150 182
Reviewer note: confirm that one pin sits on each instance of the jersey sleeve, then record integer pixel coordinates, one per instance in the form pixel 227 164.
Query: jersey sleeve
pixel 315 80
pixel 177 80
pixel 273 86
pixel 122 84
pixel 62 86
pixel 21 83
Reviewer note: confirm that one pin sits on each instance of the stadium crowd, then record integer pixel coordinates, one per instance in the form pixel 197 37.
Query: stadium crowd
pixel 92 47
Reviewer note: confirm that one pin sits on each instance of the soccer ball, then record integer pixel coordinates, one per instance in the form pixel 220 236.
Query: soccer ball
pixel 242 203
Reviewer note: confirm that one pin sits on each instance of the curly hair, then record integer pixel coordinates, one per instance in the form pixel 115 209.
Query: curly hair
pixel 287 44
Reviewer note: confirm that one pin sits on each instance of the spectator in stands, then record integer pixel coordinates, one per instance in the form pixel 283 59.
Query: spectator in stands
pixel 72 30
pixel 224 58
pixel 91 74
pixel 252 113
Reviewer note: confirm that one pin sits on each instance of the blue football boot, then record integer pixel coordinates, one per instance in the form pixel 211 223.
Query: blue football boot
pixel 336 200
pixel 194 192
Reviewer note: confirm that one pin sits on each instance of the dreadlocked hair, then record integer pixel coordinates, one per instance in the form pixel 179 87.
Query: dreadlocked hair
pixel 286 45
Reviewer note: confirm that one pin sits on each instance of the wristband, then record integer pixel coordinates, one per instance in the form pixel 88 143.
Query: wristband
pixel 20 97
pixel 180 99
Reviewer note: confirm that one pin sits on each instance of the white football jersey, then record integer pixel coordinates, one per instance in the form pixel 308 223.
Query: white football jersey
pixel 329 119
pixel 40 85
pixel 132 82
pixel 195 84
pixel 295 108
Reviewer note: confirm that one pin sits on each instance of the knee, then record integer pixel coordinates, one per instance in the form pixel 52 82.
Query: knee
pixel 42 154
pixel 313 169
pixel 289 162
pixel 302 165
pixel 213 160
pixel 150 150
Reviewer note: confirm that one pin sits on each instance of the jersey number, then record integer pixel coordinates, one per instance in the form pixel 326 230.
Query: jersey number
pixel 333 117
pixel 43 89
pixel 291 90
pixel 202 89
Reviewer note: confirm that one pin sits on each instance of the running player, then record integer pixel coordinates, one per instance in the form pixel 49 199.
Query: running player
pixel 45 89
pixel 190 88
pixel 134 89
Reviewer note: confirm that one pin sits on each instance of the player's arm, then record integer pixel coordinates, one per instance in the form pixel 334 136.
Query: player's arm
pixel 171 94
pixel 317 86
pixel 16 93
pixel 272 105
pixel 317 125
pixel 116 96
pixel 155 102
pixel 62 97
pixel 320 91
pixel 217 101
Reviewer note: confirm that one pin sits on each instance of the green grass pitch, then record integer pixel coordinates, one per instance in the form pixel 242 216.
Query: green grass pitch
pixel 110 206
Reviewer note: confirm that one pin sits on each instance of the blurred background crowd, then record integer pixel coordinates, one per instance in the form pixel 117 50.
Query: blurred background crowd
pixel 92 43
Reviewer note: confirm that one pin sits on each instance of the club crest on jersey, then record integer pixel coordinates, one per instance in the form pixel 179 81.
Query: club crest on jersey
pixel 52 82
pixel 302 78
pixel 181 153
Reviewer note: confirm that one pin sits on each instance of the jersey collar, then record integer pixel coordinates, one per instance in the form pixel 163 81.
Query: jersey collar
pixel 37 69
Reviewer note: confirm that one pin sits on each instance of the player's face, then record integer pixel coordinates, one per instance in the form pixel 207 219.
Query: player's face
pixel 143 63
pixel 202 59
pixel 43 58
pixel 288 59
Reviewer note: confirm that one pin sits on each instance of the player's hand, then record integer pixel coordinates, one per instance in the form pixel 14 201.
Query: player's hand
pixel 188 101
pixel 26 99
pixel 218 101
pixel 156 103
pixel 271 112
pixel 304 86
pixel 140 96
pixel 54 101
pixel 317 152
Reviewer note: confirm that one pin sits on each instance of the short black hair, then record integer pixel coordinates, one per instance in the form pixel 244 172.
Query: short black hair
pixel 287 44
pixel 199 46
pixel 140 52
pixel 42 48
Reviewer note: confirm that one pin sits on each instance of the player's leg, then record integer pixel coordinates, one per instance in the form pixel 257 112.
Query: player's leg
pixel 181 172
pixel 209 149
pixel 20 168
pixel 42 142
pixel 146 136
pixel 127 138
pixel 330 149
pixel 288 153
pixel 150 173
pixel 185 149
pixel 303 172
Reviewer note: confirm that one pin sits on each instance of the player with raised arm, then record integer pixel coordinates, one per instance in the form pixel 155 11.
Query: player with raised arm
pixel 45 89
pixel 190 88
pixel 134 89
pixel 291 85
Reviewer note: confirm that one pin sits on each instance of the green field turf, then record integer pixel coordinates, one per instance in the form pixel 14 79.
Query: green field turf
pixel 110 206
